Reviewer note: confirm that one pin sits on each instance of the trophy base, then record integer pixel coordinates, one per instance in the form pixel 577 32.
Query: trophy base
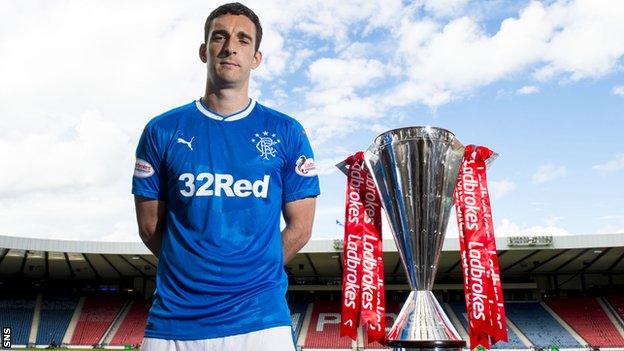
pixel 423 325
pixel 435 345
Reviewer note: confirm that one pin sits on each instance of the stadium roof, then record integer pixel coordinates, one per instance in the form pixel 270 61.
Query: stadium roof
pixel 317 263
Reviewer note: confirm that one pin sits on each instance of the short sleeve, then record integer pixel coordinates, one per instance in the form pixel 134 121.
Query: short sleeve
pixel 147 180
pixel 299 174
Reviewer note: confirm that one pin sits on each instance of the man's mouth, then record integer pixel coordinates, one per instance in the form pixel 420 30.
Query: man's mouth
pixel 229 64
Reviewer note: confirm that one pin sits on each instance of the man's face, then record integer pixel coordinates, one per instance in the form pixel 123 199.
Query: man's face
pixel 230 50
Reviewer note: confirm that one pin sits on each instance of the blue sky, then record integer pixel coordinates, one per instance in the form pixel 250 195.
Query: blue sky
pixel 540 83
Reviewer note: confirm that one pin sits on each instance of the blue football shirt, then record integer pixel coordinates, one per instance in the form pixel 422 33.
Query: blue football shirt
pixel 224 180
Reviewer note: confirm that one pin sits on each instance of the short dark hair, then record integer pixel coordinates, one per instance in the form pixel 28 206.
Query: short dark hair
pixel 234 8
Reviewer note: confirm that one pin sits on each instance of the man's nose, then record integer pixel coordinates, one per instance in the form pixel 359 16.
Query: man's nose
pixel 228 47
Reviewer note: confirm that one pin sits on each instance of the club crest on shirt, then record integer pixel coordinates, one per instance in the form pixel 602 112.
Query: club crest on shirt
pixel 143 169
pixel 305 167
pixel 265 144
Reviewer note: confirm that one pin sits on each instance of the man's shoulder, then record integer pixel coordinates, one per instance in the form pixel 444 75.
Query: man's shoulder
pixel 280 117
pixel 170 117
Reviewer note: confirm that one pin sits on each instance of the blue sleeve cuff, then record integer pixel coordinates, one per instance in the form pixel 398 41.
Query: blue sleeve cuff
pixel 147 194
pixel 302 194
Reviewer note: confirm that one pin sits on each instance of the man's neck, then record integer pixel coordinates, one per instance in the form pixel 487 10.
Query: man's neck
pixel 226 101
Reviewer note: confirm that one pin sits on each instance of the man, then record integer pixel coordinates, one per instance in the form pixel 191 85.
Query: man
pixel 211 180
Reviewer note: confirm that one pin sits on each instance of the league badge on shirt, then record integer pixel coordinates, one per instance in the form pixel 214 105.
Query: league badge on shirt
pixel 143 169
pixel 305 167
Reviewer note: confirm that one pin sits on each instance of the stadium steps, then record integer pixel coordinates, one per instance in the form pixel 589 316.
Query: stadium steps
pixel 587 317
pixel 305 326
pixel 564 324
pixel 525 340
pixel 613 314
pixel 463 332
pixel 34 326
pixel 56 313
pixel 132 326
pixel 616 303
pixel 112 329
pixel 97 315
pixel 456 322
pixel 514 340
pixel 71 328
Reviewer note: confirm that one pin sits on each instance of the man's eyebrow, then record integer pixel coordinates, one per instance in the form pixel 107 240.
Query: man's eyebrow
pixel 220 32
pixel 242 34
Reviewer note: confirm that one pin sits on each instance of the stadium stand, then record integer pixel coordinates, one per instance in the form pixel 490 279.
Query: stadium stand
pixel 538 325
pixel 617 302
pixel 131 329
pixel 17 313
pixel 393 307
pixel 514 341
pixel 297 314
pixel 56 312
pixel 588 319
pixel 324 331
pixel 97 315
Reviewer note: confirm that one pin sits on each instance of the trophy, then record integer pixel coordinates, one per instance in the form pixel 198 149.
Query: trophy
pixel 415 170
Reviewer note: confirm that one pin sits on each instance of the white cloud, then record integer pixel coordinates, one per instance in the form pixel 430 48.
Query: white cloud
pixel 528 89
pixel 445 8
pixel 548 172
pixel 555 40
pixel 618 90
pixel 616 164
pixel 507 228
pixel 327 73
pixel 66 158
pixel 501 188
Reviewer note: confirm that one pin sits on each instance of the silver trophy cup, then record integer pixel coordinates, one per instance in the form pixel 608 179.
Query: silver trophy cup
pixel 415 170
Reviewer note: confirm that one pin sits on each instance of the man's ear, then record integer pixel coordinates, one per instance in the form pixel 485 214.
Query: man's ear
pixel 257 60
pixel 202 52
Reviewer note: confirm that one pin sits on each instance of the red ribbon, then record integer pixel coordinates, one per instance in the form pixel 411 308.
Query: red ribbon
pixel 482 285
pixel 363 297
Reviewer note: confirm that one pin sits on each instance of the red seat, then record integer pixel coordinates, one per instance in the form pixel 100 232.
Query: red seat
pixel 589 320
pixel 324 330
pixel 96 316
pixel 131 329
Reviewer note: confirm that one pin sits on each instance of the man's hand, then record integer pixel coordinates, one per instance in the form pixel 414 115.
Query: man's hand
pixel 299 216
pixel 151 219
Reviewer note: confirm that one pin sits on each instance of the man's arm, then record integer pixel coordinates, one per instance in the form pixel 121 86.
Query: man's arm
pixel 299 216
pixel 151 220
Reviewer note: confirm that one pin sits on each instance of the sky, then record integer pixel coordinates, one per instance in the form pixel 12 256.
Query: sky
pixel 540 83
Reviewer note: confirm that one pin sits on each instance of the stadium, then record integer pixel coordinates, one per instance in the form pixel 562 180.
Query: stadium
pixel 561 292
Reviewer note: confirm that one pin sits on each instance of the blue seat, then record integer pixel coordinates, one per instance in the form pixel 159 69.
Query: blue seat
pixel 539 326
pixel 514 341
pixel 17 314
pixel 56 313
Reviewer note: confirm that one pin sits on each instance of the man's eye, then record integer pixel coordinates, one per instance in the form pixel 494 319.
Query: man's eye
pixel 244 41
pixel 218 37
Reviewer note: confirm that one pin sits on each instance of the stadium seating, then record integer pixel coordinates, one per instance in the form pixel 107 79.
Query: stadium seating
pixel 393 307
pixel 514 342
pixel 17 314
pixel 297 314
pixel 56 313
pixel 324 331
pixel 96 316
pixel 131 329
pixel 588 319
pixel 538 325
pixel 617 302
